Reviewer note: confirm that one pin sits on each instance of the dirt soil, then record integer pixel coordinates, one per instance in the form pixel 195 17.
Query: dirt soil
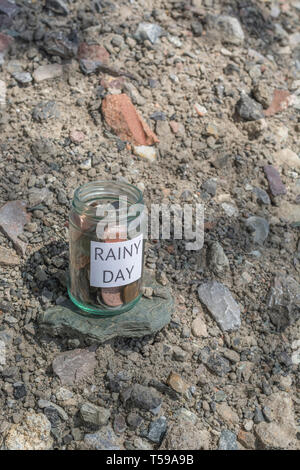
pixel 213 149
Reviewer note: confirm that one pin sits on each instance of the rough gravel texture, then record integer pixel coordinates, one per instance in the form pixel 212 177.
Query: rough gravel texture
pixel 186 78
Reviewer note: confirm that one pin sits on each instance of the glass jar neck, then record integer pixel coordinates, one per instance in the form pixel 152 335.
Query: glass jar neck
pixel 100 199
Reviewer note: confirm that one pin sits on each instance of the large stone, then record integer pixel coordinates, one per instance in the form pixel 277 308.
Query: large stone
pixel 275 184
pixel 221 305
pixel 33 433
pixel 105 439
pixel 217 259
pixel 288 212
pixel 227 28
pixel 93 414
pixel 73 366
pixel 45 110
pixel 8 257
pixel 259 228
pixel 176 382
pixel 13 218
pixel 186 436
pixel 249 109
pixel 284 301
pixel 121 115
pixel 288 157
pixel 147 317
pixel 148 31
pixel 227 440
pixel 46 72
pixel 93 52
pixel 142 397
pixel 280 101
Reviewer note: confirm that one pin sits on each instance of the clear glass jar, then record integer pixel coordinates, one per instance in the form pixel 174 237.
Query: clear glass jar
pixel 106 230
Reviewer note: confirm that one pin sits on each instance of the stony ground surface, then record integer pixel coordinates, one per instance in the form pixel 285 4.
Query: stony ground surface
pixel 218 83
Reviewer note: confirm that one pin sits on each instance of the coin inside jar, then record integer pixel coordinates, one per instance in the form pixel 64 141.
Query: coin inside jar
pixel 130 291
pixel 112 296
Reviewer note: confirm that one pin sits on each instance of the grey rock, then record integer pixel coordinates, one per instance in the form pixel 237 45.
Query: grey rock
pixel 45 110
pixel 37 196
pixel 142 397
pixel 227 440
pixel 258 416
pixel 268 415
pixel 134 420
pixel 93 414
pixel 73 366
pixel 147 317
pixel 19 390
pixel 210 186
pixel 284 301
pixel 214 362
pixel 58 6
pixel 197 28
pixel 150 31
pixel 119 424
pixel 260 228
pixel 217 259
pixel 221 305
pixel 262 196
pixel 157 430
pixel 227 28
pixel 62 45
pixel 22 77
pixel 49 404
pixel 249 109
pixel 105 439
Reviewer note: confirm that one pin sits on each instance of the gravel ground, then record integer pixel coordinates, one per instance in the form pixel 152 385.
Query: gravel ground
pixel 218 83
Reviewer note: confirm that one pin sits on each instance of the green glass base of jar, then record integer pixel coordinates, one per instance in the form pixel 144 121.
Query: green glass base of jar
pixel 107 312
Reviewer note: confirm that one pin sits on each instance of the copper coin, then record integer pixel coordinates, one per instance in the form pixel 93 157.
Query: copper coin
pixel 112 296
pixel 130 292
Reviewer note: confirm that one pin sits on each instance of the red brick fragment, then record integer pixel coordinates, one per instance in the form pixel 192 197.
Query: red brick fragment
pixel 281 100
pixel 120 114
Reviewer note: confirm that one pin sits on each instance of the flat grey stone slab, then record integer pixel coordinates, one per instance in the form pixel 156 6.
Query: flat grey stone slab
pixel 147 317
pixel 221 305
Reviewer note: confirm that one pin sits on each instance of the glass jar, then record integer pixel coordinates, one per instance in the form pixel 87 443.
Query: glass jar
pixel 106 230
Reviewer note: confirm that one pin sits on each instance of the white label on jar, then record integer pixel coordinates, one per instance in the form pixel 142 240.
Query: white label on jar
pixel 116 264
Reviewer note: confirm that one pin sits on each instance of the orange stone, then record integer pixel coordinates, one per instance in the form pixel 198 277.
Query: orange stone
pixel 121 115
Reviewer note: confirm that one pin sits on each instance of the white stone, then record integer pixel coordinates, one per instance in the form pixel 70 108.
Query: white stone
pixel 63 394
pixel 2 353
pixel 296 357
pixel 33 433
pixel 201 110
pixel 45 72
pixel 288 157
pixel 198 328
pixel 86 165
pixel 145 152
pixel 230 210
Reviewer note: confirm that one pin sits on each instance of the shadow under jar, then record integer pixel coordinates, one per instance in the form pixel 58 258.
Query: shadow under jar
pixel 106 231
